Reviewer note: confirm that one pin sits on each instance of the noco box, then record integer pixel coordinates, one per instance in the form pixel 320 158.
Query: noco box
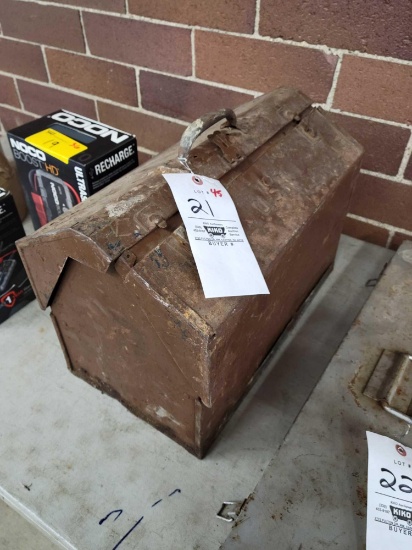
pixel 15 289
pixel 64 158
pixel 125 295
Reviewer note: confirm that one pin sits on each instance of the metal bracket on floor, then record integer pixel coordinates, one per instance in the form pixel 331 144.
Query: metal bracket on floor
pixel 391 384
pixel 230 510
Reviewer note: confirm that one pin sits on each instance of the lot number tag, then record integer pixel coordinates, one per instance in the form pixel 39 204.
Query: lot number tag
pixel 389 522
pixel 223 256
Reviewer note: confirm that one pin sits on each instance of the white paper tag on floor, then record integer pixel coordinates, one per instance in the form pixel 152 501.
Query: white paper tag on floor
pixel 389 515
pixel 224 259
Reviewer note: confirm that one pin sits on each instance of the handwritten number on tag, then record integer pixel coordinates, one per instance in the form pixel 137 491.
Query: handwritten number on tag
pixel 390 485
pixel 220 249
pixel 196 208
pixel 405 488
pixel 384 483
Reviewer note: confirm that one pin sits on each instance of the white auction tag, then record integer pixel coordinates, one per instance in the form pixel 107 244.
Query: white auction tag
pixel 389 515
pixel 224 259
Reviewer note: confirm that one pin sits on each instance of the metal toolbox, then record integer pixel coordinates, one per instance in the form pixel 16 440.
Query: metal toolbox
pixel 125 296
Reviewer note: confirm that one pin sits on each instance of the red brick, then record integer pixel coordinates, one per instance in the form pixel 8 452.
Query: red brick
pixel 262 66
pixel 378 26
pixel 45 99
pixel 117 6
pixel 139 43
pixel 382 200
pixel 8 92
pixel 184 99
pixel 237 15
pixel 408 170
pixel 398 239
pixel 151 132
pixel 384 144
pixel 49 25
pixel 23 59
pixel 11 118
pixel 93 76
pixel 144 157
pixel 365 231
pixel 379 89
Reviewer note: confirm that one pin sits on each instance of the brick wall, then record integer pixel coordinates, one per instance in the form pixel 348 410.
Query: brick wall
pixel 150 66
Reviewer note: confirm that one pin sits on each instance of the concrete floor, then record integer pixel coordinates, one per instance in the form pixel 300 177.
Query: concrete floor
pixel 314 494
pixel 16 533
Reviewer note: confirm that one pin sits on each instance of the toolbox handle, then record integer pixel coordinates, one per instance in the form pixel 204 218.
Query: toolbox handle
pixel 201 124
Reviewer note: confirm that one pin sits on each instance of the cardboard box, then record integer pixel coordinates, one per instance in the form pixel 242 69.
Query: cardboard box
pixel 64 158
pixel 15 289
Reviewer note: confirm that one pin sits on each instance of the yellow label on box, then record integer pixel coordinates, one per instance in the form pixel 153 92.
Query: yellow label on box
pixel 56 144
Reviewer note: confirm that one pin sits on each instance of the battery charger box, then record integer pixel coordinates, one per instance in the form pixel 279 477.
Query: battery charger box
pixel 64 158
pixel 15 289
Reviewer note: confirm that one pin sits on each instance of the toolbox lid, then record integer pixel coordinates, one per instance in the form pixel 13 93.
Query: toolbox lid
pixel 98 231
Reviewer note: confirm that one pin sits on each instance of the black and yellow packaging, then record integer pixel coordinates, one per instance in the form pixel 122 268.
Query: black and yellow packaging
pixel 15 289
pixel 64 158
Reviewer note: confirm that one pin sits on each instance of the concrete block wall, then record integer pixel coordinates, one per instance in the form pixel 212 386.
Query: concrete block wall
pixel 152 66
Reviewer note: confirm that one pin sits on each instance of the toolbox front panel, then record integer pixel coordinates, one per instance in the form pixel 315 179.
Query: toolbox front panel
pixel 248 334
pixel 235 358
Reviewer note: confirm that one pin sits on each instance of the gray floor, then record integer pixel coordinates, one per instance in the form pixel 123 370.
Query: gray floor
pixel 314 494
pixel 232 470
pixel 16 533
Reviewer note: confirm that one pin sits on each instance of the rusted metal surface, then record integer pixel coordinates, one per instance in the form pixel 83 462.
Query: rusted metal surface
pixel 391 384
pixel 313 494
pixel 200 125
pixel 120 278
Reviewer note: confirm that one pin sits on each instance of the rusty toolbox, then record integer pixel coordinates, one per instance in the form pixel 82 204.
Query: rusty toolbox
pixel 125 295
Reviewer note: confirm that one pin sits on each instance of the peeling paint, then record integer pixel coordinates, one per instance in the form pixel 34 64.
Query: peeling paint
pixel 118 209
pixel 160 412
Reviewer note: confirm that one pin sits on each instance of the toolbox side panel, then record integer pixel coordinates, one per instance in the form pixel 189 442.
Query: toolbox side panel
pixel 111 343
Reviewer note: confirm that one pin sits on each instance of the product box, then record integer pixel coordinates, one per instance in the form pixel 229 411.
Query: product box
pixel 63 158
pixel 15 289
